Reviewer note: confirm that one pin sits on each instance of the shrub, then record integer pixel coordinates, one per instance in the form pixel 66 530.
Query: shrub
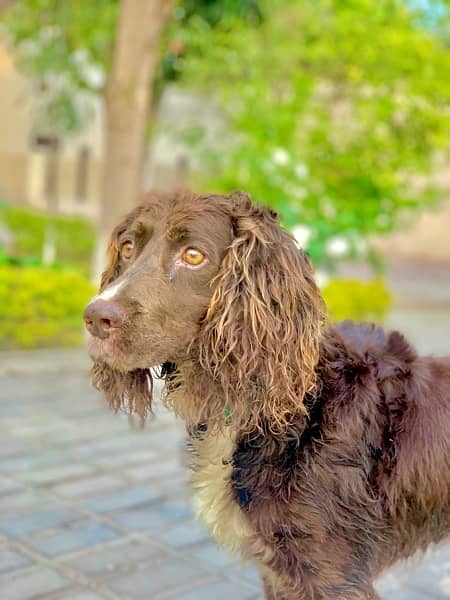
pixel 75 237
pixel 41 306
pixel 358 300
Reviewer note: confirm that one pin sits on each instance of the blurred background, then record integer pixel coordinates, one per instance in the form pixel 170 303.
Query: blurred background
pixel 335 112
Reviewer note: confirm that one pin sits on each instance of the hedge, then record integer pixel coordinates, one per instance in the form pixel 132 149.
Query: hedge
pixel 41 306
pixel 75 237
pixel 357 300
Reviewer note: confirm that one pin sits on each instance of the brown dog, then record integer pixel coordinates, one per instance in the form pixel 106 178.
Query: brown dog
pixel 320 452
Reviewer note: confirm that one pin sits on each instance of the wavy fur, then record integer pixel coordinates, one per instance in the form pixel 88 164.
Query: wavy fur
pixel 259 341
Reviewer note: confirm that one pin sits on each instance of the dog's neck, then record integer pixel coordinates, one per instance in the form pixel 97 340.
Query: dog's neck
pixel 199 399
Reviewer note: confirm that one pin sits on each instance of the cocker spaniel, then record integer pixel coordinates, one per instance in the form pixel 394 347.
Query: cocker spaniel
pixel 320 452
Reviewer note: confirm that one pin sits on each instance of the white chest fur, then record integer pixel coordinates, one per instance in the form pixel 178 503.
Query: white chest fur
pixel 213 495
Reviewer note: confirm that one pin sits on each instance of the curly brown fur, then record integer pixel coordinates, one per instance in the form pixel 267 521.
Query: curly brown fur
pixel 259 341
pixel 319 452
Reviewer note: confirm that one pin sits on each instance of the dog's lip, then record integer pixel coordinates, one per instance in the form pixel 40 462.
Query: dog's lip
pixel 101 348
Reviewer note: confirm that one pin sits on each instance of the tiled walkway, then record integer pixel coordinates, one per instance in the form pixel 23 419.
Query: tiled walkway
pixel 92 507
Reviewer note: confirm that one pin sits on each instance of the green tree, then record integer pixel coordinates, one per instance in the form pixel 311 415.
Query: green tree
pixel 74 49
pixel 337 109
pixel 66 47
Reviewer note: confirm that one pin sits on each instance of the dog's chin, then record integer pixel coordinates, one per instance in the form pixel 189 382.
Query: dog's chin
pixel 111 352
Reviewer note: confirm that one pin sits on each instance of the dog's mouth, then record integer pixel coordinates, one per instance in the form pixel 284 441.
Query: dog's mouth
pixel 106 350
pixel 120 354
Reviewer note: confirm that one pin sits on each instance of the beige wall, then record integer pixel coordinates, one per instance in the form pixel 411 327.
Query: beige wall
pixel 15 118
pixel 23 166
pixel 426 237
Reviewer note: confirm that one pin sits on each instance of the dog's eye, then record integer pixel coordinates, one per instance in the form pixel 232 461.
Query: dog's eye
pixel 127 250
pixel 193 257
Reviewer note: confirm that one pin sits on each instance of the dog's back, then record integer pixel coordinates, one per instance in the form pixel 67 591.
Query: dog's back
pixel 412 462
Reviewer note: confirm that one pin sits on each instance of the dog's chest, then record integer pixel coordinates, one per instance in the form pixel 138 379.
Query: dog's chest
pixel 214 498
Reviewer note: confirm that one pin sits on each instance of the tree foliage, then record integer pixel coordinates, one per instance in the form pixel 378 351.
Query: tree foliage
pixel 66 47
pixel 337 107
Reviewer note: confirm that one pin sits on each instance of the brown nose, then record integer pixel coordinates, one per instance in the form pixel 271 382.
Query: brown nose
pixel 102 316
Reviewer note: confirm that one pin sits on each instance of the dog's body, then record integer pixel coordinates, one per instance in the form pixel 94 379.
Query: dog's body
pixel 320 452
pixel 361 483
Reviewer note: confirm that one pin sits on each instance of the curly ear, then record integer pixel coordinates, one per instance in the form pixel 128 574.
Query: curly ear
pixel 260 338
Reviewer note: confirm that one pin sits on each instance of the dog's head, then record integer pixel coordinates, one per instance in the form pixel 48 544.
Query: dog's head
pixel 215 283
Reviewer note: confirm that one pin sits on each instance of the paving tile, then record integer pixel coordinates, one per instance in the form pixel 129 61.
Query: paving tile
pixel 169 438
pixel 406 594
pixel 23 501
pixel 73 539
pixel 32 583
pixel 152 518
pixel 444 584
pixel 11 560
pixel 175 486
pixel 131 497
pixel 154 470
pixel 78 594
pixel 117 558
pixel 215 556
pixel 9 486
pixel 57 473
pixel 125 459
pixel 38 521
pixel 182 535
pixel 427 574
pixel 111 445
pixel 146 583
pixel 248 572
pixel 29 462
pixel 219 590
pixel 432 580
pixel 88 487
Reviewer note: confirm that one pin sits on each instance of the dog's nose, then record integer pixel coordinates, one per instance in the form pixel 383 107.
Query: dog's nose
pixel 101 316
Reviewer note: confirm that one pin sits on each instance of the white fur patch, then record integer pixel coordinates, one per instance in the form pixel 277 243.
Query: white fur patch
pixel 110 291
pixel 213 495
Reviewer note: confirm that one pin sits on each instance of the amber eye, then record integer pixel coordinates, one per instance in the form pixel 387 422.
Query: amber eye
pixel 127 250
pixel 193 257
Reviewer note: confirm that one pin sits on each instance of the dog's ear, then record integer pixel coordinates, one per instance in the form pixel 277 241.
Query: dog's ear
pixel 112 269
pixel 260 338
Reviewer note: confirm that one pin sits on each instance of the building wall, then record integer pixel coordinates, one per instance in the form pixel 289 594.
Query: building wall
pixel 24 164
pixel 425 238
pixel 15 118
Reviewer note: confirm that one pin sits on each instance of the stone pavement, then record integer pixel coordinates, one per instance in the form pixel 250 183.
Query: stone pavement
pixel 93 507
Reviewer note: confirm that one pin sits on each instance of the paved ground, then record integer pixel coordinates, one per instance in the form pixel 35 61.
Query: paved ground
pixel 92 507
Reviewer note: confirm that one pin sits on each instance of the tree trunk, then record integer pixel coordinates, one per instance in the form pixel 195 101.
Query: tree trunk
pixel 127 100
